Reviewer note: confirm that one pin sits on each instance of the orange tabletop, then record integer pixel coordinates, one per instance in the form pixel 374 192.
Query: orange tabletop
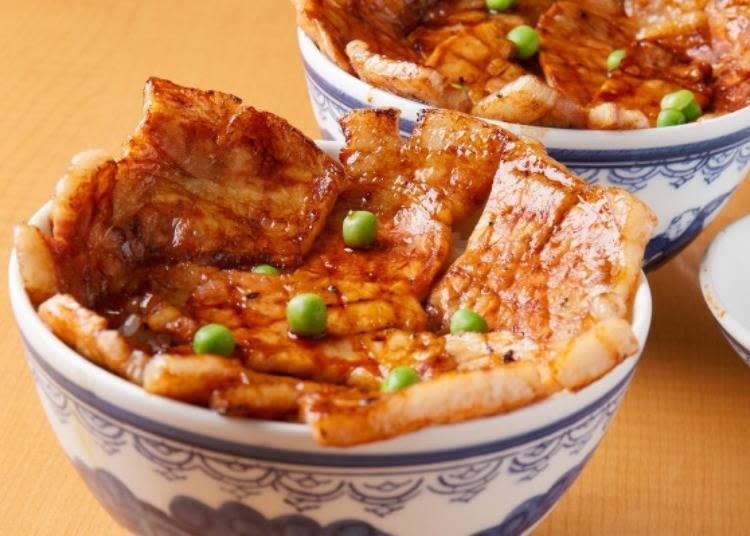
pixel 675 460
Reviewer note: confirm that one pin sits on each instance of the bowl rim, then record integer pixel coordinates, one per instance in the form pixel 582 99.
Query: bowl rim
pixel 291 442
pixel 732 327
pixel 606 141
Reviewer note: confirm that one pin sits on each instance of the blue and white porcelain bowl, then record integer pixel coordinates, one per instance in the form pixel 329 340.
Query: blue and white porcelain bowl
pixel 725 282
pixel 163 467
pixel 685 174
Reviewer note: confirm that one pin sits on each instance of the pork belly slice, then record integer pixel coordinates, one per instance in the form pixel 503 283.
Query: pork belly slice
pixel 575 43
pixel 729 22
pixel 345 420
pixel 209 180
pixel 549 254
pixel 203 179
pixel 405 78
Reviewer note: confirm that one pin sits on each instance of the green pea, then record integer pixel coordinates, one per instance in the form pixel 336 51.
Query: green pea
pixel 360 228
pixel 465 320
pixel 213 339
pixel 678 100
pixel 307 315
pixel 692 111
pixel 265 269
pixel 500 5
pixel 526 40
pixel 684 102
pixel 614 59
pixel 399 378
pixel 670 118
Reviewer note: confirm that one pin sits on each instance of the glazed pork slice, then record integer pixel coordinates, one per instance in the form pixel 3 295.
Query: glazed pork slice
pixel 203 179
pixel 549 256
pixel 653 12
pixel 89 261
pixel 478 57
pixel 333 24
pixel 647 73
pixel 456 155
pixel 729 21
pixel 529 198
pixel 575 43
pixel 406 78
pixel 414 236
pixel 369 39
pixel 343 420
pixel 207 179
pixel 89 334
pixel 528 100
pixel 444 19
pixel 671 51
pixel 37 266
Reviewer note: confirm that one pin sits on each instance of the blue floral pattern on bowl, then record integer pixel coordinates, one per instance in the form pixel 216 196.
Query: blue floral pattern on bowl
pixel 243 480
pixel 188 516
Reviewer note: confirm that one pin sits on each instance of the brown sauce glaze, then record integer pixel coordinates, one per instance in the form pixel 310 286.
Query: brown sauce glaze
pixel 455 54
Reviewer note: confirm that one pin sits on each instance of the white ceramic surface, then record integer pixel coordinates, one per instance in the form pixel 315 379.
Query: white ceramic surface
pixel 163 467
pixel 725 282
pixel 685 173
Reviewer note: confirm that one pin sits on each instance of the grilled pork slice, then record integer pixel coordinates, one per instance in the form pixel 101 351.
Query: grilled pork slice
pixel 88 258
pixel 530 101
pixel 406 78
pixel 269 396
pixel 457 156
pixel 333 24
pixel 729 21
pixel 36 263
pixel 202 179
pixel 575 43
pixel 344 420
pixel 206 179
pixel 89 334
pixel 549 255
pixel 419 190
pixel 478 58
pixel 688 34
pixel 647 73
pixel 449 17
pixel 654 12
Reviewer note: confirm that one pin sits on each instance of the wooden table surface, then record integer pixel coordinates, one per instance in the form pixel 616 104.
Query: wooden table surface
pixel 675 460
